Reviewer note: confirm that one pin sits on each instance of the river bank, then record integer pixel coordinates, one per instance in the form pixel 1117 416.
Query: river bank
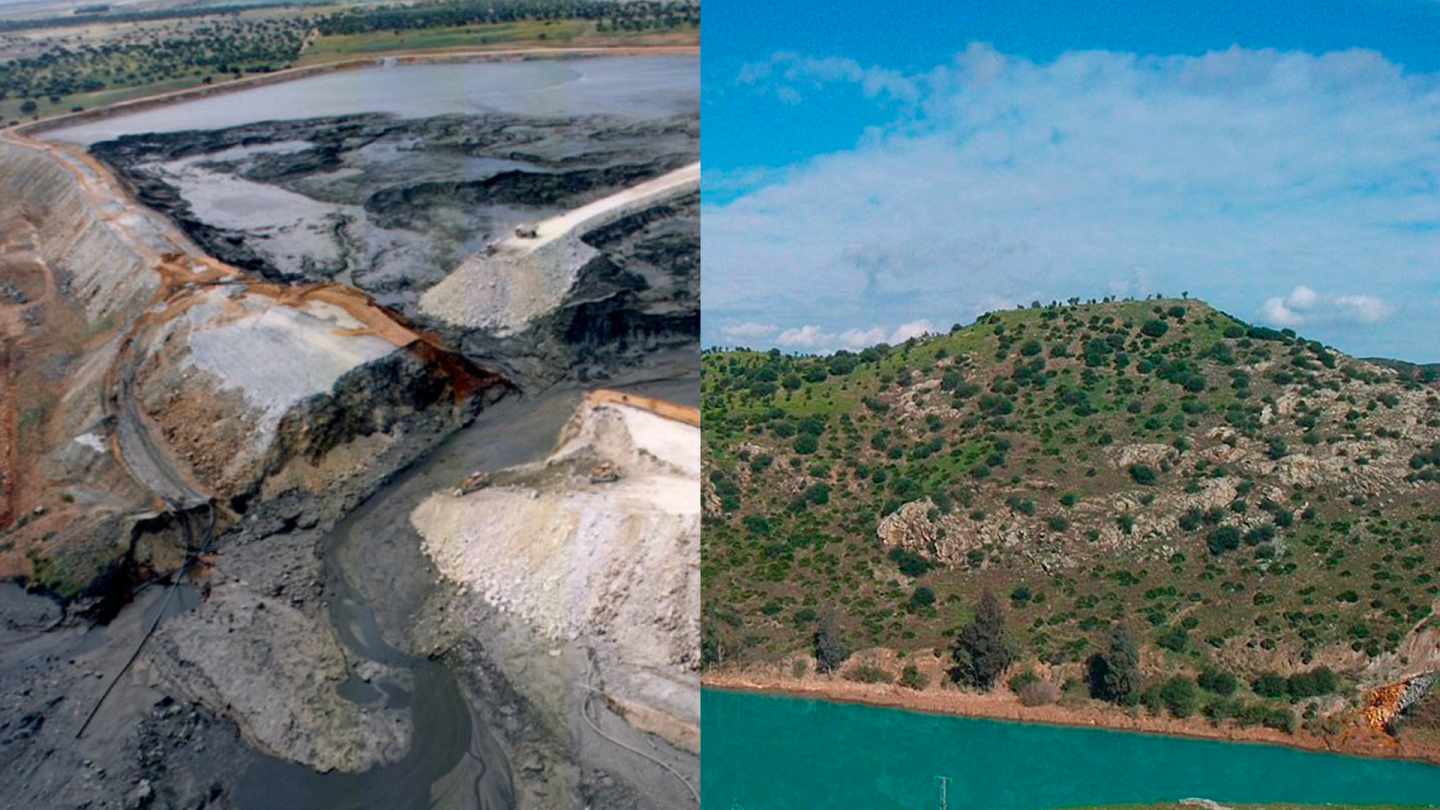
pixel 1005 705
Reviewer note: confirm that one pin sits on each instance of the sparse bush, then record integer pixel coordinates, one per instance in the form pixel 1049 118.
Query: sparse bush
pixel 1143 475
pixel 912 678
pixel 868 673
pixel 1218 681
pixel 1174 639
pixel 1040 692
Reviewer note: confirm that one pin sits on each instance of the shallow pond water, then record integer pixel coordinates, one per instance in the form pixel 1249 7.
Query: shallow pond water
pixel 640 87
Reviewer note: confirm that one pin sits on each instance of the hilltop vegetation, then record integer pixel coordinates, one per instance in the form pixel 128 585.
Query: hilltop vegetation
pixel 1173 507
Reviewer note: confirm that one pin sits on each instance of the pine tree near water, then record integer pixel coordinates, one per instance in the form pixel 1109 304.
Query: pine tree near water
pixel 1115 674
pixel 830 649
pixel 981 653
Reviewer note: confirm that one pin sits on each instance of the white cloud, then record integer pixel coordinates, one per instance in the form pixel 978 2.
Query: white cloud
pixel 1303 297
pixel 1304 306
pixel 812 338
pixel 788 72
pixel 913 329
pixel 1230 175
pixel 1276 311
pixel 748 331
pixel 1364 308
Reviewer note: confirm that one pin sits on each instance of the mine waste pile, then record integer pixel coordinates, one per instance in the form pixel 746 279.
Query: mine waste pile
pixel 223 404
pixel 602 533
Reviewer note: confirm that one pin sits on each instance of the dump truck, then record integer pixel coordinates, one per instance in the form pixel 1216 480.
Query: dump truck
pixel 475 480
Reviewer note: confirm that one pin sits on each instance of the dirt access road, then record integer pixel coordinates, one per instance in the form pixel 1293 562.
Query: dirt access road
pixel 591 216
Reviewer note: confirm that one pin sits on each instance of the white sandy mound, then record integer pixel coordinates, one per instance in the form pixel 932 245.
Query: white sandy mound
pixel 617 563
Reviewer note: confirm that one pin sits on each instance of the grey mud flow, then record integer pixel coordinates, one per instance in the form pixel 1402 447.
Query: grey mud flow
pixel 455 761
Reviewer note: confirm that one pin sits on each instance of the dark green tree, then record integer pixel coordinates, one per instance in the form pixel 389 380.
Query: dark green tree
pixel 1115 673
pixel 830 647
pixel 981 653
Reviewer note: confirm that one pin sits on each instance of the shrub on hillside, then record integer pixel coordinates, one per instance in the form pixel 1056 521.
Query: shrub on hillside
pixel 910 563
pixel 1040 692
pixel 912 678
pixel 1143 474
pixel 868 673
pixel 1223 539
pixel 1271 685
pixel 1218 681
pixel 1180 696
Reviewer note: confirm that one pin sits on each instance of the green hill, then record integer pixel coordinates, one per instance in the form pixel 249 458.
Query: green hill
pixel 1237 497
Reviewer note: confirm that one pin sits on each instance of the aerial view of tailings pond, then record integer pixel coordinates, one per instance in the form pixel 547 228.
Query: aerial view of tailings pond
pixel 317 658
pixel 766 752
pixel 387 179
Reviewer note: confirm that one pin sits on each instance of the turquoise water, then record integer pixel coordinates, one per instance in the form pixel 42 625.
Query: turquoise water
pixel 766 753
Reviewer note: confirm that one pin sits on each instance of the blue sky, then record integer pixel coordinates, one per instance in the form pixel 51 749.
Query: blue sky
pixel 870 173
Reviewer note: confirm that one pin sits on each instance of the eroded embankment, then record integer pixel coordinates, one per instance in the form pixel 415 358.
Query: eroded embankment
pixel 211 385
pixel 152 379
pixel 512 283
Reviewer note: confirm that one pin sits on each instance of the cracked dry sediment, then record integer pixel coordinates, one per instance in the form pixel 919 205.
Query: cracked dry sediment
pixel 392 206
pixel 275 671
pixel 389 205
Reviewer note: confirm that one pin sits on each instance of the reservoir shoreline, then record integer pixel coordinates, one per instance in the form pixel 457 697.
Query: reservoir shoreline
pixel 439 56
pixel 1007 708
pixel 774 752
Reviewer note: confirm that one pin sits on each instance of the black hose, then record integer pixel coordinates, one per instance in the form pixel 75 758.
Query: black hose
pixel 590 692
pixel 190 557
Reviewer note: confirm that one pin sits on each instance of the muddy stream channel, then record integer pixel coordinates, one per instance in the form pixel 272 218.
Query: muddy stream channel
pixel 378 577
